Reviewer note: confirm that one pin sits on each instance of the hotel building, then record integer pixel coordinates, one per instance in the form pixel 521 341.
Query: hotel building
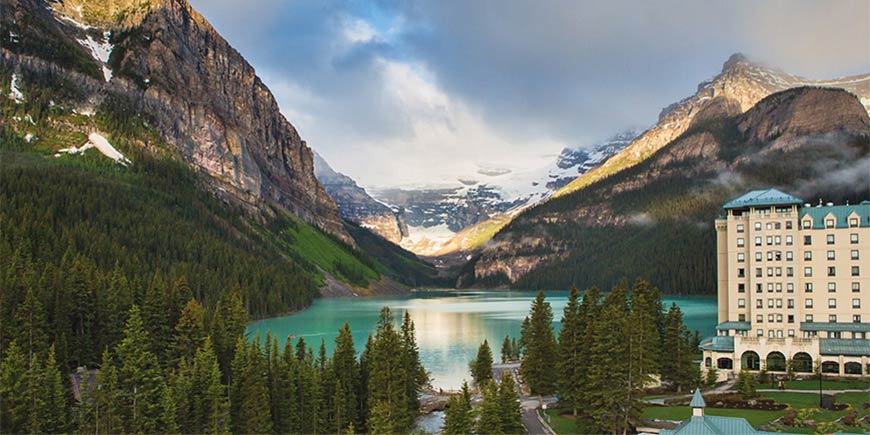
pixel 793 286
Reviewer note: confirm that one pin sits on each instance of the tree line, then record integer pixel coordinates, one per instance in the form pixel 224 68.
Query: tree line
pixel 199 385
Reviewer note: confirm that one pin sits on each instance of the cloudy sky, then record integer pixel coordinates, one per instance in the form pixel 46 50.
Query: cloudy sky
pixel 421 92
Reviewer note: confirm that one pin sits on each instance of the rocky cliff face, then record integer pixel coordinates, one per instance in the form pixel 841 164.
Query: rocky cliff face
pixel 813 142
pixel 199 93
pixel 355 204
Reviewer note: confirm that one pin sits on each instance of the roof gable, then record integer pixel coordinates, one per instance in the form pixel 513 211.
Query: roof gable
pixel 765 197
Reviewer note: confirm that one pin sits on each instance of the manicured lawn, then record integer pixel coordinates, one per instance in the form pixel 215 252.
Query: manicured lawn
pixel 754 417
pixel 559 424
pixel 813 384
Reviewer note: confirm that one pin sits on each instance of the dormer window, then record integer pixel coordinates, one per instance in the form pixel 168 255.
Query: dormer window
pixel 853 222
pixel 829 223
pixel 807 224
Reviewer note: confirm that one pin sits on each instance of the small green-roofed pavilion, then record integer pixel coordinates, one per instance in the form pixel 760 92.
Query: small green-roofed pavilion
pixel 700 424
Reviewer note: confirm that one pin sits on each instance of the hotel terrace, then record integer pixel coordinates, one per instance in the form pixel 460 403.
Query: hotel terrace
pixel 793 287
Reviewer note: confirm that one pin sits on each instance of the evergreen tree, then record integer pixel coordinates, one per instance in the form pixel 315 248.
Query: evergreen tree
pixel 387 394
pixel 489 411
pixel 54 418
pixel 414 376
pixel 608 365
pixel 677 370
pixel 31 324
pixel 346 369
pixel 539 362
pixel 190 331
pixel 289 420
pixel 506 350
pixel 14 400
pixel 481 367
pixel 459 415
pixel 571 353
pixel 211 409
pixel 230 320
pixel 156 320
pixel 107 396
pixel 252 392
pixel 141 378
pixel 510 414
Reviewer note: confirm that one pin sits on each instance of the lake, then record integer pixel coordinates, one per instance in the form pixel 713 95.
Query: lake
pixel 450 325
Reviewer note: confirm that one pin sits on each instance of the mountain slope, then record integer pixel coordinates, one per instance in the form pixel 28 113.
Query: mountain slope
pixel 355 204
pixel 739 86
pixel 162 60
pixel 654 219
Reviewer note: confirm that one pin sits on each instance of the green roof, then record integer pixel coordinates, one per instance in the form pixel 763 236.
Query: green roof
pixel 739 326
pixel 697 400
pixel 718 343
pixel 713 425
pixel 844 346
pixel 840 212
pixel 841 327
pixel 766 197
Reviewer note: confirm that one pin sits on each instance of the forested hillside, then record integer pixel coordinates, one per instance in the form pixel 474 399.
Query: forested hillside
pixel 655 219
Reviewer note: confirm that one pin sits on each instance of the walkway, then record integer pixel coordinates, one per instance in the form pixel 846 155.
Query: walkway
pixel 529 404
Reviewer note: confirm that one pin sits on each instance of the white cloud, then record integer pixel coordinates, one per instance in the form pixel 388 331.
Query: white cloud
pixel 357 30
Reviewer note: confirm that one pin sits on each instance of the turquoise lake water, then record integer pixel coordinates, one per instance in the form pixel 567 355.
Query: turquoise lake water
pixel 450 325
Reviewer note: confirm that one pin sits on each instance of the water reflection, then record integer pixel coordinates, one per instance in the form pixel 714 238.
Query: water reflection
pixel 450 326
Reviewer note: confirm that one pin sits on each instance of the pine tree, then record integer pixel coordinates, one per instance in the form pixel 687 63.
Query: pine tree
pixel 677 370
pixel 14 400
pixel 289 420
pixel 230 320
pixel 571 353
pixel 539 362
pixel 415 376
pixel 644 335
pixel 189 331
pixel 509 410
pixel 608 365
pixel 490 412
pixel 211 408
pixel 346 369
pixel 106 397
pixel 481 367
pixel 156 321
pixel 55 417
pixel 252 392
pixel 387 395
pixel 459 415
pixel 506 350
pixel 141 378
pixel 31 324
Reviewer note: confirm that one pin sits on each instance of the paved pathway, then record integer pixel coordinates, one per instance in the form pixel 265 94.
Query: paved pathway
pixel 529 404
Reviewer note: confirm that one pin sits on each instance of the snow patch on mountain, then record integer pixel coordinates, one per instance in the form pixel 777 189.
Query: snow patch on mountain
pixel 98 141
pixel 100 51
pixel 14 92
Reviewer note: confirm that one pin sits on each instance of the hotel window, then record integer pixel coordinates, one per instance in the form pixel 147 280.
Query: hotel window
pixel 777 226
pixel 777 240
pixel 769 226
pixel 779 287
pixel 808 287
pixel 854 254
pixel 739 228
pixel 856 303
pixel 758 288
pixel 760 332
pixel 789 240
pixel 778 271
pixel 779 303
pixel 741 288
pixel 853 222
pixel 741 303
pixel 832 303
pixel 758 272
pixel 808 240
pixel 858 335
pixel 790 303
pixel 830 239
pixel 777 255
pixel 769 271
pixel 832 318
pixel 832 271
pixel 856 287
pixel 834 334
pixel 790 318
pixel 770 287
pixel 808 303
pixel 758 226
pixel 741 273
pixel 789 287
pixel 855 271
pixel 830 255
pixel 758 256
pixel 809 318
pixel 770 303
pixel 779 333
pixel 758 241
pixel 741 317
pixel 789 271
pixel 770 333
pixel 808 255
pixel 808 271
pixel 829 223
pixel 856 318
pixel 759 319
pixel 788 225
pixel 832 287
pixel 807 224
pixel 759 303
pixel 770 318
pixel 740 242
pixel 741 257
pixel 853 238
pixel 791 332
pixel 769 255
pixel 769 240
pixel 789 256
